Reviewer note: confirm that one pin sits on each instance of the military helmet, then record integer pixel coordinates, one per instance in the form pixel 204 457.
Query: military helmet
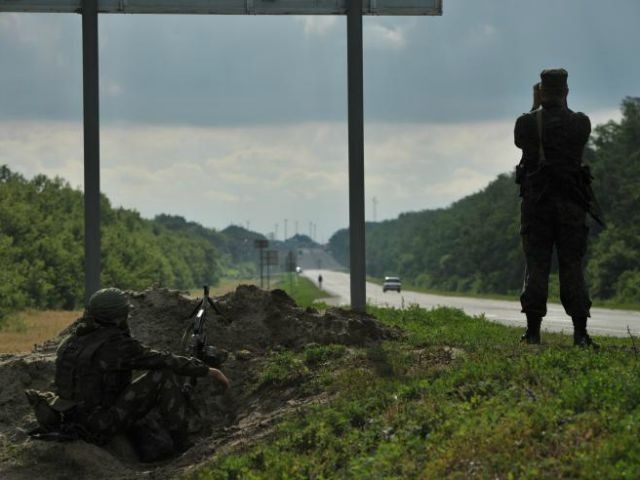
pixel 108 306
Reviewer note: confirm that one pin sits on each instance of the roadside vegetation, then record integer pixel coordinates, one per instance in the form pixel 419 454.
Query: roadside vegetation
pixel 304 291
pixel 42 253
pixel 459 397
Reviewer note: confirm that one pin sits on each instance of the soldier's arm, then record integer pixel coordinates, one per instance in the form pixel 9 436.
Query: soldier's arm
pixel 132 355
pixel 520 133
pixel 583 127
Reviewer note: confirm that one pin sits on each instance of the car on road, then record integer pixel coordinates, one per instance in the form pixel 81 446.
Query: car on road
pixel 392 283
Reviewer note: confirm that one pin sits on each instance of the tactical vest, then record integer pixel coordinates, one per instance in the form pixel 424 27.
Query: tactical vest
pixel 78 376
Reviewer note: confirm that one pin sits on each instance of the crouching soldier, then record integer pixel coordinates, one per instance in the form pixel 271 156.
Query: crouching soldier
pixel 94 388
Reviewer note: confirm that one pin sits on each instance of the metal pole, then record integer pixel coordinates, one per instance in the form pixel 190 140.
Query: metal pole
pixel 91 146
pixel 261 266
pixel 356 156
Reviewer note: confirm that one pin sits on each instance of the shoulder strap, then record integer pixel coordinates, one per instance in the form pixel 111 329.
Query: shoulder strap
pixel 100 337
pixel 542 159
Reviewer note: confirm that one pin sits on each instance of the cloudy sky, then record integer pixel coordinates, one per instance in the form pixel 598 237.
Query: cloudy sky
pixel 243 119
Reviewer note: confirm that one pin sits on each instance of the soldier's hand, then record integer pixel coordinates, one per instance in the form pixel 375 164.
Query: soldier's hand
pixel 220 377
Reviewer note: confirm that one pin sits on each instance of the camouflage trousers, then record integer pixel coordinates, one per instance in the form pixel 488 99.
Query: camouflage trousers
pixel 157 389
pixel 546 223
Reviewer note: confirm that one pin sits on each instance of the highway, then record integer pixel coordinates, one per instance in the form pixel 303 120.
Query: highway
pixel 603 321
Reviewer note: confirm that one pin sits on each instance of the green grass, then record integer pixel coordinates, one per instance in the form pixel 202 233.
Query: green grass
pixel 458 398
pixel 301 289
pixel 14 323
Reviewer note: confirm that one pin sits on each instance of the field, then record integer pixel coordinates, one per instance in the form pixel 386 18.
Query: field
pixel 20 331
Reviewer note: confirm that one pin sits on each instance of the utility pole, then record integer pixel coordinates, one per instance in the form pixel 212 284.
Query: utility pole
pixel 296 227
pixel 285 229
pixel 375 209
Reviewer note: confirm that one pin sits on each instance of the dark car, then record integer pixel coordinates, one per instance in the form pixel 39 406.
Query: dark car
pixel 392 283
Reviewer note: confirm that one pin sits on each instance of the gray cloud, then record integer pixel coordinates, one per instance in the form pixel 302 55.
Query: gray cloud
pixel 476 62
pixel 247 115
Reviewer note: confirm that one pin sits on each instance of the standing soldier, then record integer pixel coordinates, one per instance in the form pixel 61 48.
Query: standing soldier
pixel 554 190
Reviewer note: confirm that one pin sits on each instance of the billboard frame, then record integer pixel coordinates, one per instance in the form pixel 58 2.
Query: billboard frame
pixel 353 9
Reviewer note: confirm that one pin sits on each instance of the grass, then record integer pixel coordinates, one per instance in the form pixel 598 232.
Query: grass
pixel 301 289
pixel 458 398
pixel 21 331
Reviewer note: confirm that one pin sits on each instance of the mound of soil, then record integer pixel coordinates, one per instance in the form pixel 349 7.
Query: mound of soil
pixel 252 323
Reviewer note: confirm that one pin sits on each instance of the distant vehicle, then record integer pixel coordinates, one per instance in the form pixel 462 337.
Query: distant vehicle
pixel 392 283
pixel 298 270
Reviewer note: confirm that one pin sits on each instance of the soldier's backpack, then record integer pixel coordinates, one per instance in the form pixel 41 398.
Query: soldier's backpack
pixel 77 377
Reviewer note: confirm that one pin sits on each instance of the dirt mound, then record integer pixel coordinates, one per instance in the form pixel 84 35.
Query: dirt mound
pixel 252 319
pixel 252 324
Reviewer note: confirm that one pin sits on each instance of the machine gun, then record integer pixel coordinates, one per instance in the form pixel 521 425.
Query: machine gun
pixel 194 340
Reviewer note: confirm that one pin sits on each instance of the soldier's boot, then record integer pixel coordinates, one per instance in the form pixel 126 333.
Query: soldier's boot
pixel 532 334
pixel 580 336
pixel 181 440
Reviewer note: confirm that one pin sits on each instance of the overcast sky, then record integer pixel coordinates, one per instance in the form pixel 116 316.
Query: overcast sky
pixel 243 119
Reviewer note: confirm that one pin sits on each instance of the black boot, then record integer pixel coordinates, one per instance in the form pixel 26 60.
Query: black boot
pixel 532 334
pixel 580 336
pixel 181 440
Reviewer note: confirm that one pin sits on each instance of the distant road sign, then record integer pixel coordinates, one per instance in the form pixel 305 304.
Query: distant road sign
pixel 291 262
pixel 261 243
pixel 231 7
pixel 272 257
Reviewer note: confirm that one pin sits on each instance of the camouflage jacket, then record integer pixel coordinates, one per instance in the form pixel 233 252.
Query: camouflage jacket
pixel 95 363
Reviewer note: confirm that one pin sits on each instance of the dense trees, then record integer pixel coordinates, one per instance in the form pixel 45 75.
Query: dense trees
pixel 474 245
pixel 42 256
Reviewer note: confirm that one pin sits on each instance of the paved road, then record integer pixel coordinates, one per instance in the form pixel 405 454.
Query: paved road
pixel 603 321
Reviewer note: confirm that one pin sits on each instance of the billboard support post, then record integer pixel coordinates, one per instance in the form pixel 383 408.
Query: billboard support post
pixel 91 115
pixel 356 156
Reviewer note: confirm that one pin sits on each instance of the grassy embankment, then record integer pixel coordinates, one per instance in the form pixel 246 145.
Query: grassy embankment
pixel 458 398
pixel 304 291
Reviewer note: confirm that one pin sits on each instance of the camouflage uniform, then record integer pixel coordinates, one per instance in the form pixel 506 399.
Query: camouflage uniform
pixel 553 212
pixel 94 372
pixel 108 401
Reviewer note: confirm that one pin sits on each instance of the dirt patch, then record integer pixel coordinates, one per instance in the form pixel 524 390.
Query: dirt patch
pixel 253 324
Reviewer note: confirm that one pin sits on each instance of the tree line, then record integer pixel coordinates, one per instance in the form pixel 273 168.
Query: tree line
pixel 474 244
pixel 42 247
